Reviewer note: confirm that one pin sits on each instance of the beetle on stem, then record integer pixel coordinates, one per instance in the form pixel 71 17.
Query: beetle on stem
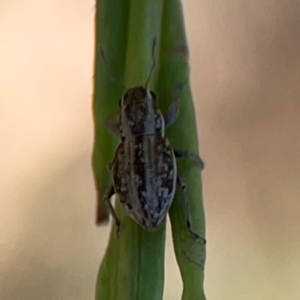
pixel 144 168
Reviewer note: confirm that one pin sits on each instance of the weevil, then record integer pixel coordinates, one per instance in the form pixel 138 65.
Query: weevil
pixel 144 167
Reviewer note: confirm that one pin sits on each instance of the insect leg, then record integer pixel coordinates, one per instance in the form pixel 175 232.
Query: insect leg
pixel 182 185
pixel 186 153
pixel 172 113
pixel 173 110
pixel 109 193
pixel 112 125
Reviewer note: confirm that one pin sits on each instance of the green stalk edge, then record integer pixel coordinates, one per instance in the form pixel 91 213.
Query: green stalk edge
pixel 133 265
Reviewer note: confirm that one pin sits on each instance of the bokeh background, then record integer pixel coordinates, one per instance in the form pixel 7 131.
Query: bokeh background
pixel 245 71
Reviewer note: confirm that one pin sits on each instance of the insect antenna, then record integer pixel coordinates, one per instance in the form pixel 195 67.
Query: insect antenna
pixel 108 70
pixel 153 61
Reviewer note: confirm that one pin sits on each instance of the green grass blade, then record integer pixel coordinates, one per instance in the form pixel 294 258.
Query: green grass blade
pixel 111 21
pixel 133 266
pixel 190 254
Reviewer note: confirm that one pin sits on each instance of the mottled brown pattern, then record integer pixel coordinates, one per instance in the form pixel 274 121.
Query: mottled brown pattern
pixel 144 175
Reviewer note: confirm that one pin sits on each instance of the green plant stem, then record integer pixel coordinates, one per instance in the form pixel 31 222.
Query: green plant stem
pixel 133 266
pixel 190 254
pixel 111 21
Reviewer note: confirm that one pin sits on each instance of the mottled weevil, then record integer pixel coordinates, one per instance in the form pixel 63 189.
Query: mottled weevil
pixel 144 168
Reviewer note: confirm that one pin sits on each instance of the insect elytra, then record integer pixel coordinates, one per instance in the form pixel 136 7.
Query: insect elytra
pixel 144 167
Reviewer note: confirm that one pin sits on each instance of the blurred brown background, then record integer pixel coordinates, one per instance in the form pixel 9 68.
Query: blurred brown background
pixel 245 76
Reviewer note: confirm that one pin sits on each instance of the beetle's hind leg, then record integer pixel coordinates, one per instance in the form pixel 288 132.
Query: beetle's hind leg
pixel 107 196
pixel 182 185
pixel 193 156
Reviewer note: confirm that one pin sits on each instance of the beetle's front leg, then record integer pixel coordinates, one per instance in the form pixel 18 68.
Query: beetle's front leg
pixel 186 153
pixel 172 113
pixel 173 110
pixel 182 185
pixel 112 125
pixel 107 196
